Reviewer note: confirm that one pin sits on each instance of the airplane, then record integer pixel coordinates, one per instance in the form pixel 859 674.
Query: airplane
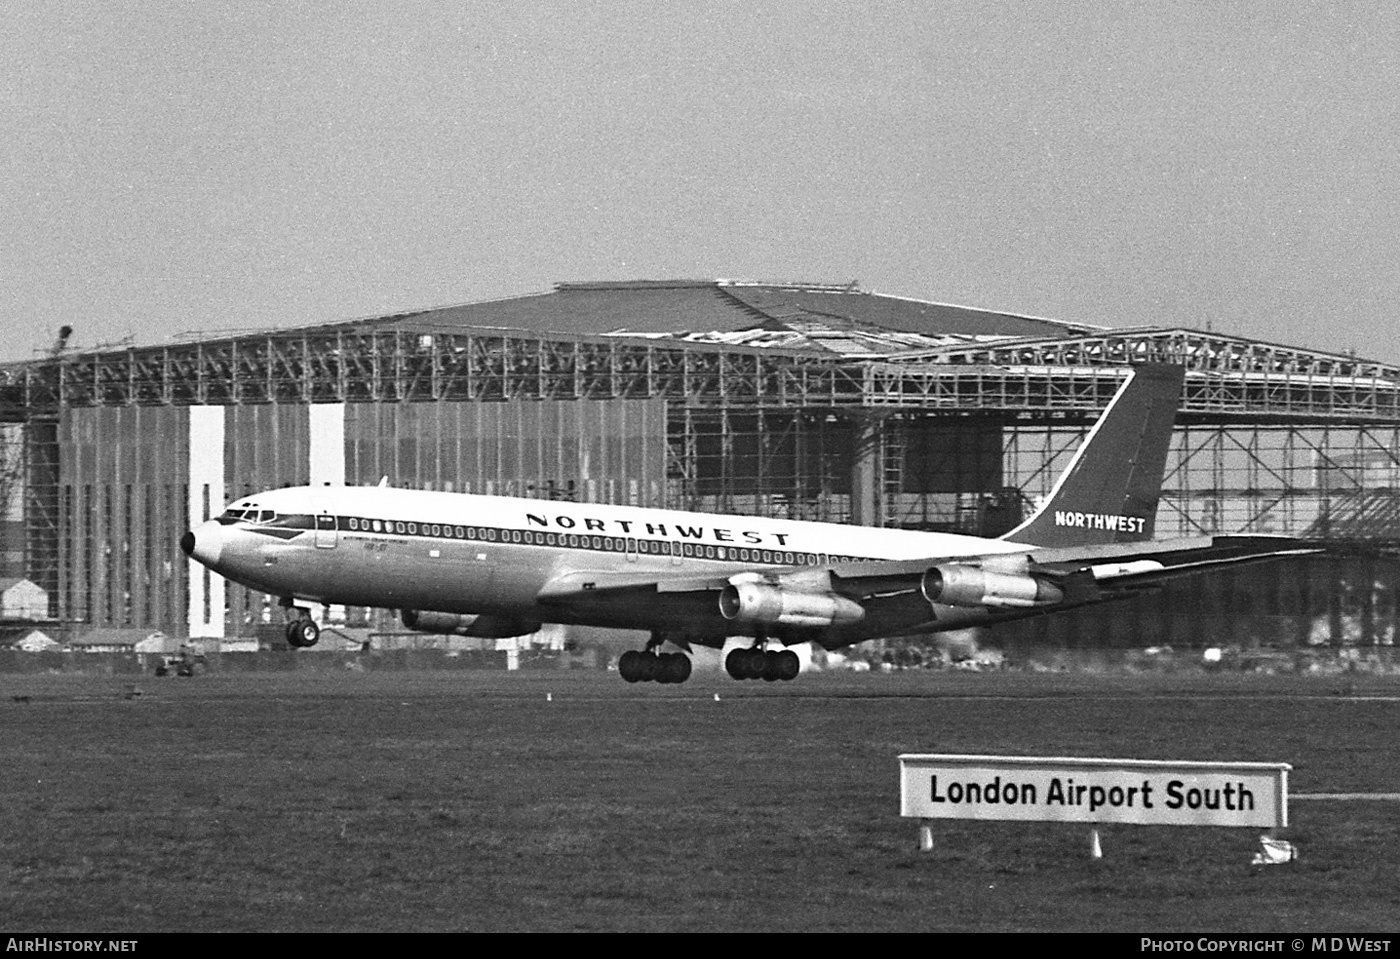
pixel 490 566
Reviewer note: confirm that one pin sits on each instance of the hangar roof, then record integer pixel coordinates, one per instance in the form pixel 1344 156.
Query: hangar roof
pixel 703 308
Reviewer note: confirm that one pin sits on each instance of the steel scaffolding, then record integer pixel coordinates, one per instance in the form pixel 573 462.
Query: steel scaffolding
pixel 347 365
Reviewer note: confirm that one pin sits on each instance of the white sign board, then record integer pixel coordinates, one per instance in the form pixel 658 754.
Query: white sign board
pixel 1145 792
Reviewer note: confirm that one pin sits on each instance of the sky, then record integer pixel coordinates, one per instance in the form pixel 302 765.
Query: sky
pixel 177 168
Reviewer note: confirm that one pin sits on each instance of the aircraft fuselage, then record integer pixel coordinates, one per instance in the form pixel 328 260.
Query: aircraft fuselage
pixel 466 554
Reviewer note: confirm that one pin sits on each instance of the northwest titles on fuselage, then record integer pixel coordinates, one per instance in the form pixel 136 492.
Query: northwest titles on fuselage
pixel 683 531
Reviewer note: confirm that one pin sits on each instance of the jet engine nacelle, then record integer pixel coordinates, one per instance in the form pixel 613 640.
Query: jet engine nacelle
pixel 955 585
pixel 454 624
pixel 768 605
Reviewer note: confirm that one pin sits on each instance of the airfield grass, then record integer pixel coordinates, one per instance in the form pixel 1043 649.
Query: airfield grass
pixel 393 801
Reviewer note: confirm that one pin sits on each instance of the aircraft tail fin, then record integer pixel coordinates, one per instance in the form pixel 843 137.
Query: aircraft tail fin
pixel 1109 491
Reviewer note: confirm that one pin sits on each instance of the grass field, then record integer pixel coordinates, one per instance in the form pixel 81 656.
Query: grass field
pixel 570 801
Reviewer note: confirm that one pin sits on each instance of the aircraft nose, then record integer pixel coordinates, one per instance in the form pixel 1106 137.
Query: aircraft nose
pixel 203 543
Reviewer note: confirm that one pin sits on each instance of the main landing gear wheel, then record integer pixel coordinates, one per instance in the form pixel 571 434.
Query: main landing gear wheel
pixel 768 665
pixel 303 633
pixel 641 667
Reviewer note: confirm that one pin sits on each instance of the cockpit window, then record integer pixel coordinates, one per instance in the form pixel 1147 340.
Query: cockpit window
pixel 248 516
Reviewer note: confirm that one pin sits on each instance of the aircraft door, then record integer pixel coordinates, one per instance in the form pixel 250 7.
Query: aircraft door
pixel 326 534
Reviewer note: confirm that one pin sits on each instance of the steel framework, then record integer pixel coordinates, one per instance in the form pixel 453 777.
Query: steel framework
pixel 1236 378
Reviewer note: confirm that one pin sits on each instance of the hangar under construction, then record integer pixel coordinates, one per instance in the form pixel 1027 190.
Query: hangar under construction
pixel 809 401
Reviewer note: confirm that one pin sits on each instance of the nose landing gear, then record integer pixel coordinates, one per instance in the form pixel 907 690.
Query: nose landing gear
pixel 302 631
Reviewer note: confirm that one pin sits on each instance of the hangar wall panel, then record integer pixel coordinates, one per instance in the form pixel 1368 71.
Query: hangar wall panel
pixel 951 456
pixel 611 451
pixel 134 478
pixel 124 495
pixel 208 487
pixel 326 426
pixel 265 447
pixel 786 463
pixel 12 533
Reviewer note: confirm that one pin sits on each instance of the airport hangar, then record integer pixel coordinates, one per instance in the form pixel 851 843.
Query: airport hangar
pixel 811 401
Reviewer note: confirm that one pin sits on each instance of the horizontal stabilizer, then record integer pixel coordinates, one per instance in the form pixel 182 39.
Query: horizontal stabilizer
pixel 1127 565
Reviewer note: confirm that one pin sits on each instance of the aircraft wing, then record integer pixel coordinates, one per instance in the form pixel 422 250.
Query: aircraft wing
pixel 930 595
pixel 848 602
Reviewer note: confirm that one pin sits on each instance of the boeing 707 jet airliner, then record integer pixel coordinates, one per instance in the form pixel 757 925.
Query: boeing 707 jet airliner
pixel 491 566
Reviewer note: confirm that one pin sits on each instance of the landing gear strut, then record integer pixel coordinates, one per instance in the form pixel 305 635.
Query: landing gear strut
pixel 302 632
pixel 648 666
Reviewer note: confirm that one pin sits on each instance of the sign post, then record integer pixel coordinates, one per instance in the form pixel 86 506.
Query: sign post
pixel 1138 791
